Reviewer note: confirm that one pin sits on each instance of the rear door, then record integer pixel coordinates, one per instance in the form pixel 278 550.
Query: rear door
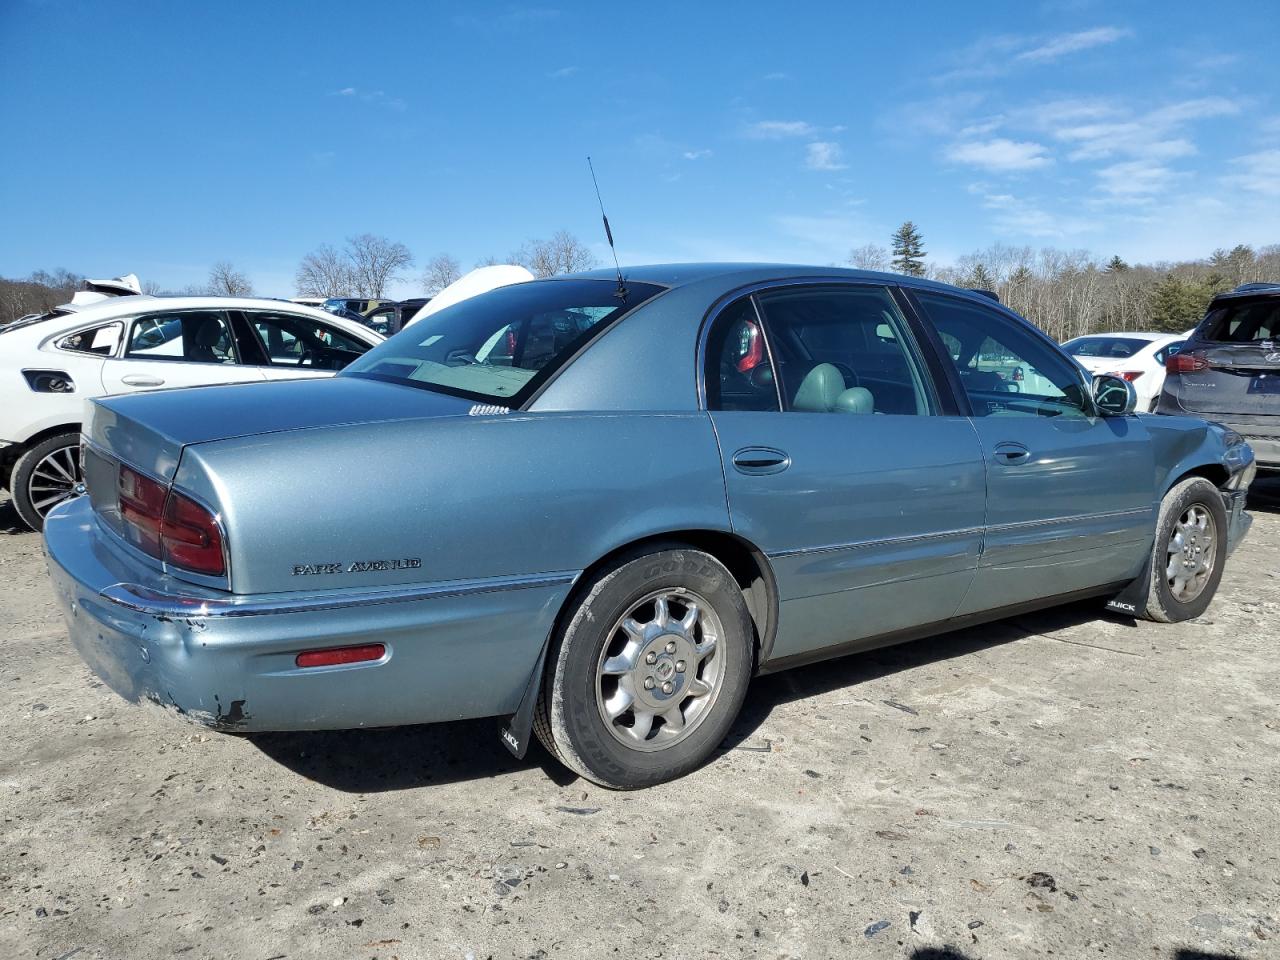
pixel 180 348
pixel 843 462
pixel 1070 494
pixel 1231 365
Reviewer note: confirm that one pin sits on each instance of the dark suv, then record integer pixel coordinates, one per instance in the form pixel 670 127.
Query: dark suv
pixel 1229 369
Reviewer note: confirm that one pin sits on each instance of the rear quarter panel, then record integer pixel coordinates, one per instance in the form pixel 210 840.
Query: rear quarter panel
pixel 466 497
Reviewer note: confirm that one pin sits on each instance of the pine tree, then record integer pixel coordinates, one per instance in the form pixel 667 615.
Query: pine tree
pixel 908 250
pixel 980 279
pixel 1115 264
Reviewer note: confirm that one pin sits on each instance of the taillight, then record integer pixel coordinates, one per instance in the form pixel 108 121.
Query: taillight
pixel 169 526
pixel 1130 375
pixel 1185 363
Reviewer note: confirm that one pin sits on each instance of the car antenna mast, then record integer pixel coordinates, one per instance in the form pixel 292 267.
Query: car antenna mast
pixel 608 234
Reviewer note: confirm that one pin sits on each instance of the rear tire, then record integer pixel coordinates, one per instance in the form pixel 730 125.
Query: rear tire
pixel 1189 552
pixel 650 671
pixel 44 476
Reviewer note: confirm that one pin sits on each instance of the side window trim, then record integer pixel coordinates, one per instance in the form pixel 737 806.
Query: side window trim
pixel 767 337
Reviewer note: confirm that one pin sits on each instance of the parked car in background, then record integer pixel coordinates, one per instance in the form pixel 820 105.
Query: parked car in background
pixel 1136 357
pixel 1229 369
pixel 602 504
pixel 50 364
pixel 390 318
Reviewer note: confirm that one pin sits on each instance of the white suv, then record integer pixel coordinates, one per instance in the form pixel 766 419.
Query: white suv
pixel 50 364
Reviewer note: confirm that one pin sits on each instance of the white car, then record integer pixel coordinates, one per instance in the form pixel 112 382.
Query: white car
pixel 50 364
pixel 1136 357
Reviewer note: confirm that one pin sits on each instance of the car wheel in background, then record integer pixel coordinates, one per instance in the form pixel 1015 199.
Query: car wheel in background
pixel 1189 552
pixel 650 670
pixel 44 476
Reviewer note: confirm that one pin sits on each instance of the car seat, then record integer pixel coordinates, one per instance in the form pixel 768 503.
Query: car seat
pixel 823 391
pixel 208 335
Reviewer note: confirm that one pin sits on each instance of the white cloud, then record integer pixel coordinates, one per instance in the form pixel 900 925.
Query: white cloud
pixel 1000 154
pixel 1259 172
pixel 776 75
pixel 1055 47
pixel 822 155
pixel 778 129
pixel 1136 178
pixel 563 72
pixel 346 92
pixel 696 154
pixel 1020 217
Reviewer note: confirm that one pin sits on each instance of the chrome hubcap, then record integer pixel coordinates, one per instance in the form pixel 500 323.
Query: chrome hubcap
pixel 660 670
pixel 55 478
pixel 1191 553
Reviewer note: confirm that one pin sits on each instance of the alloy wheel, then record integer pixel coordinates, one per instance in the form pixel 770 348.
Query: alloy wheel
pixel 55 478
pixel 1192 553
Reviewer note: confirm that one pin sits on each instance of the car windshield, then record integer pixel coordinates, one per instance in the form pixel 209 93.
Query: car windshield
pixel 500 346
pixel 1106 347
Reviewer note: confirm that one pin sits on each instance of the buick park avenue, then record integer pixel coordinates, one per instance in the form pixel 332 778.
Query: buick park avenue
pixel 598 505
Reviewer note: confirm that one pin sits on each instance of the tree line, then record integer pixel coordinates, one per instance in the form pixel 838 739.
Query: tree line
pixel 1068 293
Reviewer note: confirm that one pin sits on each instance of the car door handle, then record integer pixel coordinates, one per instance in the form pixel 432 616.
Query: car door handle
pixel 1011 453
pixel 142 380
pixel 759 461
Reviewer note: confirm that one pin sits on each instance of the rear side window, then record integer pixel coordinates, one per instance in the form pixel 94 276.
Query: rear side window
pixel 843 349
pixel 739 373
pixel 101 340
pixel 201 336
pixel 1249 322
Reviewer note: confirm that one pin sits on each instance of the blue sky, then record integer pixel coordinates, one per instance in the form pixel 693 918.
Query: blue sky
pixel 158 138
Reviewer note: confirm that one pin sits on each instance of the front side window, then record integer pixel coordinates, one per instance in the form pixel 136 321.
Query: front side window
pixel 844 349
pixel 1005 370
pixel 288 340
pixel 500 346
pixel 200 336
pixel 101 340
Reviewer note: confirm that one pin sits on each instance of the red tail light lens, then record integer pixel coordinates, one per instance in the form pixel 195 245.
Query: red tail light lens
pixel 1130 375
pixel 190 536
pixel 169 526
pixel 1185 363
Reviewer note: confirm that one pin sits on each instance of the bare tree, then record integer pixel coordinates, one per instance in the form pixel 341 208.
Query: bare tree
pixel 489 261
pixel 869 256
pixel 563 253
pixel 226 281
pixel 441 271
pixel 324 273
pixel 376 261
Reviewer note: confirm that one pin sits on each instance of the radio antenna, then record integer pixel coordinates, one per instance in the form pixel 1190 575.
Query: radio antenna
pixel 608 234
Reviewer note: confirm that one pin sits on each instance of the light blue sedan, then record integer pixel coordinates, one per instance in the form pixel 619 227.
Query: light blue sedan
pixel 600 505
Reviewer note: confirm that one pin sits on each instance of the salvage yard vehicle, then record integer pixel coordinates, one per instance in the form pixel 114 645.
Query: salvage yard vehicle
pixel 1229 368
pixel 51 363
pixel 614 501
pixel 1137 357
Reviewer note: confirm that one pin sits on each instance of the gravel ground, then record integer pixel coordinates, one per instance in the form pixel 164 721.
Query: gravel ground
pixel 1064 783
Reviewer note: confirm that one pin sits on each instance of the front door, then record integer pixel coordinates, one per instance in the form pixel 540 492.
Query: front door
pixel 843 463
pixel 1070 495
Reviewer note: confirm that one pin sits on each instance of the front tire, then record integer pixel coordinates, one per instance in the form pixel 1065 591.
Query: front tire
pixel 650 670
pixel 1189 552
pixel 44 476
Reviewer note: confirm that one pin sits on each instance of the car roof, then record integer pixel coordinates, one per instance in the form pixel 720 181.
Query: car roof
pixel 1250 290
pixel 117 307
pixel 1123 334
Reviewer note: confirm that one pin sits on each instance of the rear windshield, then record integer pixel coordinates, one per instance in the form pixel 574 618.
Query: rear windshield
pixel 1117 347
pixel 1248 322
pixel 500 346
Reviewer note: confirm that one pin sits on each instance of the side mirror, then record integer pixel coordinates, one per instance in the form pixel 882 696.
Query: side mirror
pixel 1113 396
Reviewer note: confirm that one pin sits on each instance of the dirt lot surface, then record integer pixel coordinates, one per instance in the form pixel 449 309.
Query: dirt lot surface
pixel 1064 784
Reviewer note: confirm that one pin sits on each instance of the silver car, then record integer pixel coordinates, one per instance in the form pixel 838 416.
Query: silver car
pixel 599 505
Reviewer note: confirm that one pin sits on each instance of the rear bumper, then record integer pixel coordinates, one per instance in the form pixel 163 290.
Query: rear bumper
pixel 453 651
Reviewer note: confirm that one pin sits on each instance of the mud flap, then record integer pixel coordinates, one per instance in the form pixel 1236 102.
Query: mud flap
pixel 516 734
pixel 1133 598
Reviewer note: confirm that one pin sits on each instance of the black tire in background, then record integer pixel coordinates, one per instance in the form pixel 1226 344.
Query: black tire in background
pixel 570 719
pixel 1192 510
pixel 45 475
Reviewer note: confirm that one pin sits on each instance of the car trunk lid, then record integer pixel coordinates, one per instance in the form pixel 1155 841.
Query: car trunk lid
pixel 1239 378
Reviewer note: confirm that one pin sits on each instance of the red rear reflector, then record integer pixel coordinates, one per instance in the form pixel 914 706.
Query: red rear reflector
pixel 1130 375
pixel 337 655
pixel 1185 363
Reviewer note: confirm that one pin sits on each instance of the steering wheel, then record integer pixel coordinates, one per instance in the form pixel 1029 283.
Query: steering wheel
pixel 459 358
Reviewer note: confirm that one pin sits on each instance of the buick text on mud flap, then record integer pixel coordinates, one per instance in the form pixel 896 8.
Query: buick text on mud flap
pixel 356 566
